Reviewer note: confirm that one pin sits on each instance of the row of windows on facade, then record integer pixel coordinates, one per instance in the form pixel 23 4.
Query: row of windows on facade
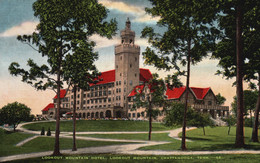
pixel 134 115
pixel 130 82
pixel 92 101
pixel 96 106
pixel 97 87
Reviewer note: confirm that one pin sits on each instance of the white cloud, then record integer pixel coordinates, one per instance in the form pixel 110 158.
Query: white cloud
pixel 123 7
pixel 141 42
pixel 22 29
pixel 102 42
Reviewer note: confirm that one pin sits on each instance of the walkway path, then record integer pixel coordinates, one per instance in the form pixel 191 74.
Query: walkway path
pixel 127 149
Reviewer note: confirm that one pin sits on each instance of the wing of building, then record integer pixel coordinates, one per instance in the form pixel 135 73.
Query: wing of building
pixel 112 95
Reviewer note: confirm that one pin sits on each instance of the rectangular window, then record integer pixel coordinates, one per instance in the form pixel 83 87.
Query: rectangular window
pixel 109 92
pixel 104 106
pixel 87 101
pixel 84 102
pixel 119 82
pixel 109 99
pixel 84 96
pixel 77 102
pixel 105 100
pixel 100 100
pixel 104 93
pixel 129 115
pixel 78 95
pixel 133 115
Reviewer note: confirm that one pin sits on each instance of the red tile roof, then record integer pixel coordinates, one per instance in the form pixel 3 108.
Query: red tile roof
pixel 62 94
pixel 109 76
pixel 106 77
pixel 175 93
pixel 49 106
pixel 133 92
pixel 145 75
pixel 200 93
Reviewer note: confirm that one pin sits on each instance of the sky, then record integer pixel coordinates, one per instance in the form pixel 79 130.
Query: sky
pixel 16 18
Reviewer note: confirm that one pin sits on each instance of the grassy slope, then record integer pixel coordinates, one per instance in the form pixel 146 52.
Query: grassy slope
pixel 10 139
pixel 155 136
pixel 98 125
pixel 215 139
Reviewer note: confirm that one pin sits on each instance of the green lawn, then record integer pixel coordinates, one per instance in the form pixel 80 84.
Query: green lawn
pixel 100 158
pixel 155 136
pixel 10 139
pixel 98 125
pixel 215 139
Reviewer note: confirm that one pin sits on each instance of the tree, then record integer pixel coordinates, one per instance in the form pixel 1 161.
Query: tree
pixel 239 16
pixel 14 113
pixel 220 99
pixel 201 120
pixel 64 25
pixel 250 100
pixel 80 72
pixel 174 116
pixel 187 39
pixel 151 97
pixel 231 121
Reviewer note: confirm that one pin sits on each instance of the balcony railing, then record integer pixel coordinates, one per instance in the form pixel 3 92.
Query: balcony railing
pixel 210 107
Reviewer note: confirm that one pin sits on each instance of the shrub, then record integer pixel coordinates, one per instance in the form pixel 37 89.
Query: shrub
pixel 43 131
pixel 49 132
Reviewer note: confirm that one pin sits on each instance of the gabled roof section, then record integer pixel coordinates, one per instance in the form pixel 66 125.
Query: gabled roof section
pixel 145 75
pixel 49 106
pixel 62 94
pixel 106 77
pixel 133 92
pixel 200 93
pixel 109 76
pixel 174 93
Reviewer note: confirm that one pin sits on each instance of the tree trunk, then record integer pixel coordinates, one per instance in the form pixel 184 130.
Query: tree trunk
pixel 74 148
pixel 254 137
pixel 183 140
pixel 229 127
pixel 239 143
pixel 56 151
pixel 150 122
